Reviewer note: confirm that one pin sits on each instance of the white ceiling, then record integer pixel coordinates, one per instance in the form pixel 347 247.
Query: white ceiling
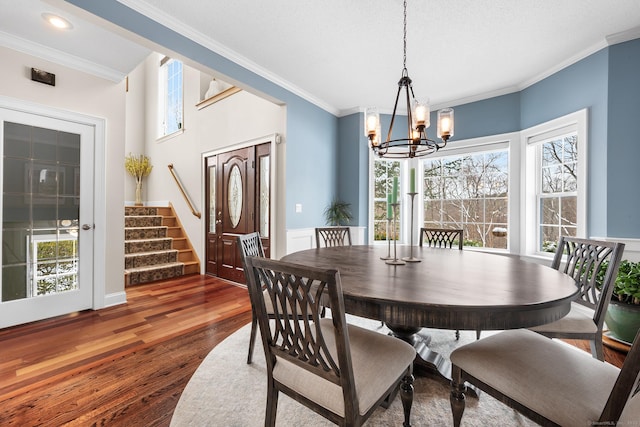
pixel 347 54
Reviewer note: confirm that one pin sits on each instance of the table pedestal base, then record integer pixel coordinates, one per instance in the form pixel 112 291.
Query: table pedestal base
pixel 428 362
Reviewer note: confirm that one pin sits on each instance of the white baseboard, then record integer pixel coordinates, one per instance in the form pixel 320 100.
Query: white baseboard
pixel 116 298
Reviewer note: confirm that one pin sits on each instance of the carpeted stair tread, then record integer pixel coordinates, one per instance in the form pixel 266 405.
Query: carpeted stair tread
pixel 138 233
pixel 155 246
pixel 143 220
pixel 151 258
pixel 138 275
pixel 147 245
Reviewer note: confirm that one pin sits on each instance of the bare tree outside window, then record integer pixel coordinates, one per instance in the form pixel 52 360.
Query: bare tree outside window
pixel 469 192
pixel 558 190
pixel 384 172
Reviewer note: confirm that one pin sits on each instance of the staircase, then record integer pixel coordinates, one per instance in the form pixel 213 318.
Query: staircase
pixel 155 246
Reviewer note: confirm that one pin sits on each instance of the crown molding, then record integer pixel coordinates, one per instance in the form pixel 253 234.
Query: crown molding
pixel 60 57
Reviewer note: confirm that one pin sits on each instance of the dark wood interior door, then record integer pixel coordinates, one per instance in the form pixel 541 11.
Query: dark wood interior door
pixel 238 202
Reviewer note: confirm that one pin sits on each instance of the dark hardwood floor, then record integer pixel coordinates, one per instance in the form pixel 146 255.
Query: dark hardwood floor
pixel 121 366
pixel 124 365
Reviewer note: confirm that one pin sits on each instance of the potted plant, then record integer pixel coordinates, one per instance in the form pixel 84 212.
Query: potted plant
pixel 623 314
pixel 138 167
pixel 338 213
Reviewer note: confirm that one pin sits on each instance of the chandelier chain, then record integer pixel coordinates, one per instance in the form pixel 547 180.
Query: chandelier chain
pixel 404 39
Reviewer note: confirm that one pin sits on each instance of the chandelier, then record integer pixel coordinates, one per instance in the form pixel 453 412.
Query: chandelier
pixel 416 143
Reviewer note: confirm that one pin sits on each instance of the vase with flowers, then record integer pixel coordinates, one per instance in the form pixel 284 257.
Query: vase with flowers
pixel 138 167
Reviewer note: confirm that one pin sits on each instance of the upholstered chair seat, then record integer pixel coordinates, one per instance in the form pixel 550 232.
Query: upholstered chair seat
pixel 372 376
pixel 576 321
pixel 550 382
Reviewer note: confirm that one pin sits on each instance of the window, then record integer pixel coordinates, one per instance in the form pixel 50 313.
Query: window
pixel 557 191
pixel 470 192
pixel 54 263
pixel 170 91
pixel 384 172
pixel 518 191
pixel 555 182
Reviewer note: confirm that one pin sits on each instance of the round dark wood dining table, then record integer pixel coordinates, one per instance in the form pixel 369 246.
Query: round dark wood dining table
pixel 448 289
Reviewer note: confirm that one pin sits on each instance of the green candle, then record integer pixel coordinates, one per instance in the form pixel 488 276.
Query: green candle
pixel 395 189
pixel 389 207
pixel 412 180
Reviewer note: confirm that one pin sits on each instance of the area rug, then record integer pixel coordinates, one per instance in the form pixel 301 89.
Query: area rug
pixel 225 391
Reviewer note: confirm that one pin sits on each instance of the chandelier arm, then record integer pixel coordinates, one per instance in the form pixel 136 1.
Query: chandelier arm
pixel 409 115
pixel 393 116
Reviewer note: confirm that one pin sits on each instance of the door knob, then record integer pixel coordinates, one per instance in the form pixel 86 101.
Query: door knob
pixel 87 227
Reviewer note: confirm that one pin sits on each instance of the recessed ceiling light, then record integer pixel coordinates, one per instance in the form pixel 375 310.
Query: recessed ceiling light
pixel 57 21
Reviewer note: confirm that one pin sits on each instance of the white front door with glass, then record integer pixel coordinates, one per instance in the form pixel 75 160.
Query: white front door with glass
pixel 47 217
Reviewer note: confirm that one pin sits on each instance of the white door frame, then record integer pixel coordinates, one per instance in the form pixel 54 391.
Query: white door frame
pixel 99 183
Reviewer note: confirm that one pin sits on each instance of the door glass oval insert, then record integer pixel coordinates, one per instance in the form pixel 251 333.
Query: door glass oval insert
pixel 235 195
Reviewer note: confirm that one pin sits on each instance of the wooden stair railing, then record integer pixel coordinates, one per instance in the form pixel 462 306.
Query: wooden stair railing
pixel 184 193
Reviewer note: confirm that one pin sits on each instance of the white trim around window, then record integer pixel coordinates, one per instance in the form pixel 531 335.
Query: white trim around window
pixel 531 139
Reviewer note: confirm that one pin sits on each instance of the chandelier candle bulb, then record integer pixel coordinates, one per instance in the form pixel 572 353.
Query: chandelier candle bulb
pixel 445 123
pixel 421 114
pixel 412 180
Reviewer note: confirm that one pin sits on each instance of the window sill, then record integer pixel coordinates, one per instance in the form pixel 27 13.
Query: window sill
pixel 170 136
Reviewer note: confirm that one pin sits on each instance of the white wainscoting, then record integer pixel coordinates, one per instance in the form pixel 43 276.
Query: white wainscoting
pixel 305 238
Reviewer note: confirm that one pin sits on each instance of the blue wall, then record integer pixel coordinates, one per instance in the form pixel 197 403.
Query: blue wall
pixel 623 136
pixel 311 138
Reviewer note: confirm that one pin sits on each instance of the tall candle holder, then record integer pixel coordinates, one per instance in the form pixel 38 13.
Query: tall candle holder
pixel 395 260
pixel 411 258
pixel 388 241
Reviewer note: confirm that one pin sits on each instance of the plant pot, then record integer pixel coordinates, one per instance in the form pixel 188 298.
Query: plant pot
pixel 623 320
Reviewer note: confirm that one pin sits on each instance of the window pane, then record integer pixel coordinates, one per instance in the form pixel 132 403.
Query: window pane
pixel 549 238
pixel 496 210
pixel 550 210
pixel 432 211
pixel 433 188
pixel 384 172
pixel 559 185
pixel 551 179
pixel 568 209
pixel 472 193
pixel 451 211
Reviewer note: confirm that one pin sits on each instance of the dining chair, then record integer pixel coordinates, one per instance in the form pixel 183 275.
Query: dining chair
pixel 443 238
pixel 251 245
pixel 593 264
pixel 328 237
pixel 549 382
pixel 341 371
